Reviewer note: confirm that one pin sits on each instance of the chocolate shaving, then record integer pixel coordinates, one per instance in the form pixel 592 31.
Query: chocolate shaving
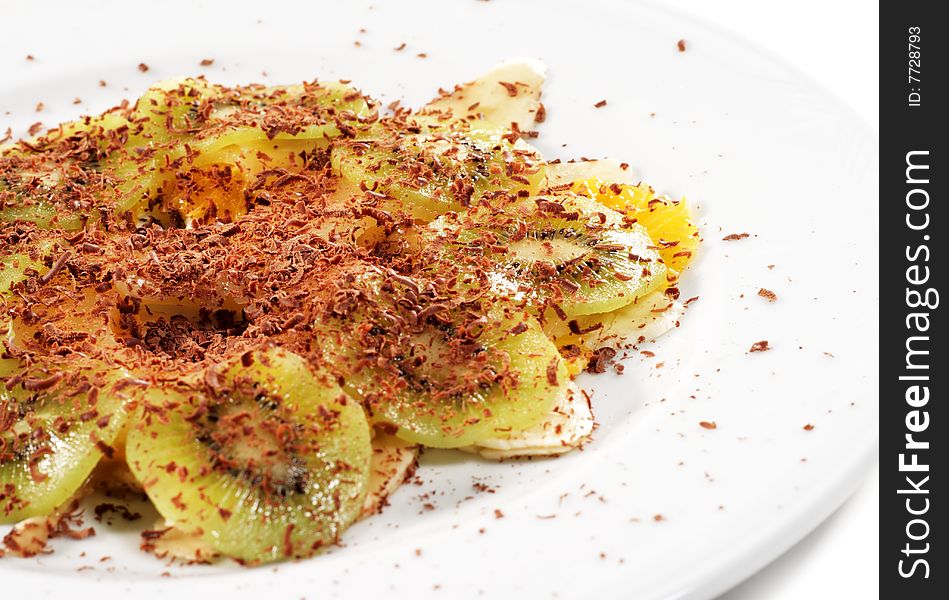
pixel 41 385
pixel 541 115
pixel 601 360
pixel 761 346
pixel 47 276
pixel 122 511
pixel 510 87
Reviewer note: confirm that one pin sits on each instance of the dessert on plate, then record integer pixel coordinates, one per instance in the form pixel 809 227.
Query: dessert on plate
pixel 256 304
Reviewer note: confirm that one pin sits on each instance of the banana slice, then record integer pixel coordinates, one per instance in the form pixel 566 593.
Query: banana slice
pixel 508 93
pixel 642 321
pixel 392 462
pixel 606 169
pixel 568 426
pixel 166 541
pixel 648 319
pixel 30 536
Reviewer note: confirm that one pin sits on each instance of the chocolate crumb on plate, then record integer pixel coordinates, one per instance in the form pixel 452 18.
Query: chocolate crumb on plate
pixel 761 346
pixel 541 115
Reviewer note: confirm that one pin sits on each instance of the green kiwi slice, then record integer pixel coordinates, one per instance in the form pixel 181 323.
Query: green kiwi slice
pixel 210 142
pixel 44 193
pixel 181 109
pixel 60 412
pixel 567 253
pixel 439 168
pixel 126 159
pixel 62 179
pixel 16 268
pixel 264 460
pixel 58 418
pixel 444 367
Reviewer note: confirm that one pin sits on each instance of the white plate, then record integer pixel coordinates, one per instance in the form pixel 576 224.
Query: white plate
pixel 757 147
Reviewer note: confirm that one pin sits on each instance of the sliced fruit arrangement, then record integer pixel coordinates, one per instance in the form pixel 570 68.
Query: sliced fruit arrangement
pixel 256 305
pixel 222 140
pixel 265 460
pixel 187 150
pixel 61 408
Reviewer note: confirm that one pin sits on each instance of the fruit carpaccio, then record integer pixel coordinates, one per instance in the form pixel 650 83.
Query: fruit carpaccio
pixel 254 304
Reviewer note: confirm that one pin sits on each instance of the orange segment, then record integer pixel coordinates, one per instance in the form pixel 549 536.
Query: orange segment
pixel 668 221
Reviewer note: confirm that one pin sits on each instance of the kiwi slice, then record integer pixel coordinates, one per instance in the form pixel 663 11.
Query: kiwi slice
pixel 58 418
pixel 440 168
pixel 211 143
pixel 61 179
pixel 443 367
pixel 264 459
pixel 43 193
pixel 15 268
pixel 567 255
pixel 50 303
pixel 127 158
pixel 219 116
pixel 60 412
pixel 258 116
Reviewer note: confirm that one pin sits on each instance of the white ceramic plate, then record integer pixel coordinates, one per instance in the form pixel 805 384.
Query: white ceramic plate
pixel 757 147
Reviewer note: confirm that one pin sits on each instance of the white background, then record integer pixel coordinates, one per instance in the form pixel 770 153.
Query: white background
pixel 835 42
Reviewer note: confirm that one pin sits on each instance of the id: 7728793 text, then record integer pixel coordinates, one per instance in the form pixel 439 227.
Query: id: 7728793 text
pixel 914 73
